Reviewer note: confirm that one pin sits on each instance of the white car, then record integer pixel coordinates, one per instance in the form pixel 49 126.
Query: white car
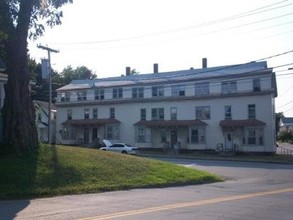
pixel 120 148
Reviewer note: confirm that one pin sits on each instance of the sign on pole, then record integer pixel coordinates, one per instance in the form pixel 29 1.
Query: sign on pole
pixel 45 68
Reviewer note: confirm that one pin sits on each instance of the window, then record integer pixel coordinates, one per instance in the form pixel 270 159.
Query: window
pixel 86 113
pixel 65 97
pixel 228 112
pixel 178 90
pixel 253 136
pixel 81 95
pixel 112 132
pixel 117 93
pixel 251 111
pixel 99 94
pixel 143 114
pixel 203 112
pixel 158 114
pixel 173 112
pixel 69 114
pixel 137 93
pixel 112 113
pixel 202 88
pixel 141 135
pixel 95 113
pixel 256 85
pixel 157 91
pixel 163 136
pixel 39 117
pixel 229 87
pixel 197 135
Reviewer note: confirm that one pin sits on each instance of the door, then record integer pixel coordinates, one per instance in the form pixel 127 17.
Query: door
pixel 229 141
pixel 173 138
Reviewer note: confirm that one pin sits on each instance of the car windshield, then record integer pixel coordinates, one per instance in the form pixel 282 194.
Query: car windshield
pixel 128 145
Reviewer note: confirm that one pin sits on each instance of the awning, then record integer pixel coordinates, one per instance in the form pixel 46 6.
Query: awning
pixel 241 123
pixel 170 123
pixel 91 122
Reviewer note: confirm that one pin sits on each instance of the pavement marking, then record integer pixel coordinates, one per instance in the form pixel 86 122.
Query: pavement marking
pixel 187 204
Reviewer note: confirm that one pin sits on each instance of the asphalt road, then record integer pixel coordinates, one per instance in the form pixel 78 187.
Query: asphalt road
pixel 251 191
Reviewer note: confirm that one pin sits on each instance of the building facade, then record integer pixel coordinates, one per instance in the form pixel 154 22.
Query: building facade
pixel 228 107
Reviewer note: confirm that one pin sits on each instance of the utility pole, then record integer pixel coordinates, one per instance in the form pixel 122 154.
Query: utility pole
pixel 49 50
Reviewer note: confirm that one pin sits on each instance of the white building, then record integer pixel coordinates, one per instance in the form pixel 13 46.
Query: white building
pixel 196 109
pixel 42 109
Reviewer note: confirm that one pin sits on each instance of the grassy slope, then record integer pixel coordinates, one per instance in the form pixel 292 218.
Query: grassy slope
pixel 61 170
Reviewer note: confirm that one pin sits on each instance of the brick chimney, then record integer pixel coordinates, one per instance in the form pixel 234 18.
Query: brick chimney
pixel 204 63
pixel 156 68
pixel 128 70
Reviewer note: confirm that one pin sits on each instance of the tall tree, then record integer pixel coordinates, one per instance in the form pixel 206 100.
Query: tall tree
pixel 20 19
pixel 82 72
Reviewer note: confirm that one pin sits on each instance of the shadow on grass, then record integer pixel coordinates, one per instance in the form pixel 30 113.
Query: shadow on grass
pixel 31 176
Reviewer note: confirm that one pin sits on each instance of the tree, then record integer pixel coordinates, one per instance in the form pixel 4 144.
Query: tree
pixel 82 72
pixel 278 117
pixel 20 19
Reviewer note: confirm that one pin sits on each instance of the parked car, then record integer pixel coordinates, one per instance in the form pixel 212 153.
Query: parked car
pixel 119 147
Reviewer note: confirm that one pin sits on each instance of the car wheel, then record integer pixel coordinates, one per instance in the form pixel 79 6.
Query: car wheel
pixel 124 152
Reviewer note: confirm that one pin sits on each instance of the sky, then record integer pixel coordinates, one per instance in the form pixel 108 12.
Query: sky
pixel 109 35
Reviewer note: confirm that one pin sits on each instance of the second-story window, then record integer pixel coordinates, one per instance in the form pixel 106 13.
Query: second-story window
pixel 99 94
pixel 228 112
pixel 137 93
pixel 81 95
pixel 86 113
pixel 178 90
pixel 69 114
pixel 173 112
pixel 251 111
pixel 143 114
pixel 112 113
pixel 202 88
pixel 256 85
pixel 158 91
pixel 65 97
pixel 229 87
pixel 203 112
pixel 158 114
pixel 95 113
pixel 117 93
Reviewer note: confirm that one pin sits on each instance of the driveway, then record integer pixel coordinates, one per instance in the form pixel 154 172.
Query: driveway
pixel 251 191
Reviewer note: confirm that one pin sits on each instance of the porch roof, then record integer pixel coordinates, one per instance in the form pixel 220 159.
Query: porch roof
pixel 241 123
pixel 170 123
pixel 91 122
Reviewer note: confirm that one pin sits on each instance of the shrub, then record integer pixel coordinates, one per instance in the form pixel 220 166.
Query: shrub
pixel 286 136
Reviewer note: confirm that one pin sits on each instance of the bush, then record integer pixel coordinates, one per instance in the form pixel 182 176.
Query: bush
pixel 286 136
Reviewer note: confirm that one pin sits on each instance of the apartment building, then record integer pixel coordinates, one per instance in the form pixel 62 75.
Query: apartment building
pixel 229 107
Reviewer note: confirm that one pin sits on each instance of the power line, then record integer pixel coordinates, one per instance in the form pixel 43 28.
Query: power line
pixel 248 13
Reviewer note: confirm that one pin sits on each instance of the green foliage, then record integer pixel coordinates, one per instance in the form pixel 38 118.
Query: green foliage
pixel 61 170
pixel 82 72
pixel 286 136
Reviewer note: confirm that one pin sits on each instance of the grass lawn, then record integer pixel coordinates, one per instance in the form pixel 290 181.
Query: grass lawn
pixel 63 170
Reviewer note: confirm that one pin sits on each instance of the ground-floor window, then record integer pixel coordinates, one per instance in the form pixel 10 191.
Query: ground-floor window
pixel 253 136
pixel 143 135
pixel 112 132
pixel 197 135
pixel 68 133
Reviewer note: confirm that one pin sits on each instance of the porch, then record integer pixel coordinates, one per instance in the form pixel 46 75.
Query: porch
pixel 171 135
pixel 89 132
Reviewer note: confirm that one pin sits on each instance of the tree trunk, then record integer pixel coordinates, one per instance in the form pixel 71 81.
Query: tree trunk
pixel 19 127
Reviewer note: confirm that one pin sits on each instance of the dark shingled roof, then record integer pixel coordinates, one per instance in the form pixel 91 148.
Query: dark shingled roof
pixel 241 123
pixel 170 123
pixel 91 122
